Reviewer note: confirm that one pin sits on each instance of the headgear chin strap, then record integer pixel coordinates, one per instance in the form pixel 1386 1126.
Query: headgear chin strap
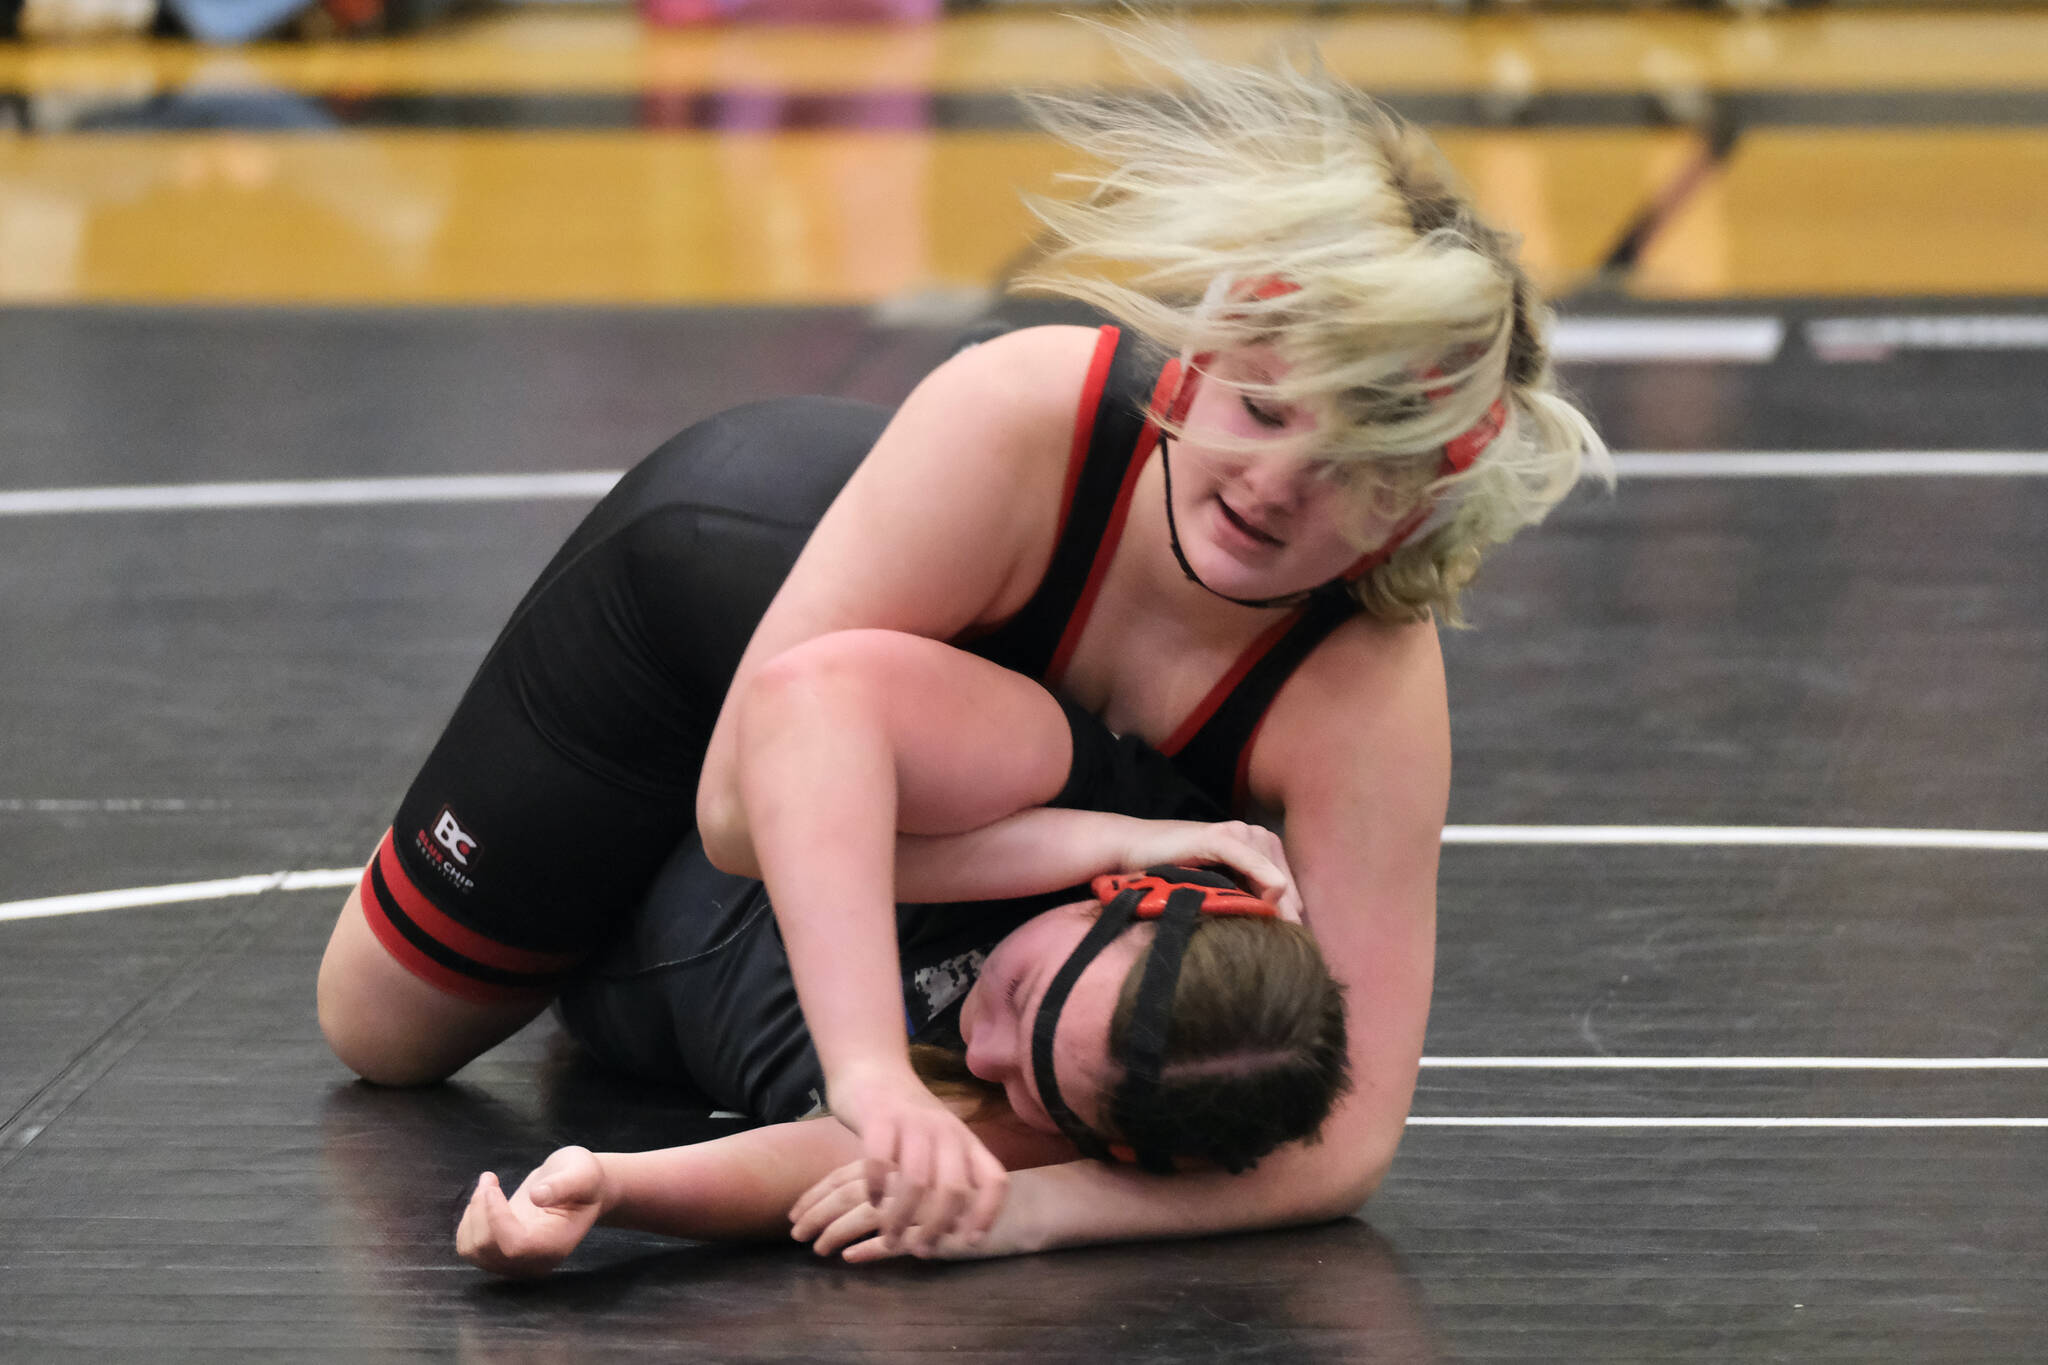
pixel 1177 897
pixel 1459 452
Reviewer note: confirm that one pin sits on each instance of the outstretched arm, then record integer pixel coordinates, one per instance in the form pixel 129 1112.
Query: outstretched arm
pixel 734 1188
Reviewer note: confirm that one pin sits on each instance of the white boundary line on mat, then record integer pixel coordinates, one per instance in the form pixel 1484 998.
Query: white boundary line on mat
pixel 1754 836
pixel 1772 836
pixel 192 497
pixel 1611 1063
pixel 593 484
pixel 134 897
pixel 1738 1121
pixel 336 877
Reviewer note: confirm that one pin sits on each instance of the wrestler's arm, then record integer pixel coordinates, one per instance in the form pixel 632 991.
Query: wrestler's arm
pixel 929 738
pixel 946 526
pixel 843 741
pixel 1364 790
pixel 734 1188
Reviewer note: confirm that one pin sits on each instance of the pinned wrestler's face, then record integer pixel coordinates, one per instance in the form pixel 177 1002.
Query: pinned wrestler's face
pixel 996 1018
pixel 1260 514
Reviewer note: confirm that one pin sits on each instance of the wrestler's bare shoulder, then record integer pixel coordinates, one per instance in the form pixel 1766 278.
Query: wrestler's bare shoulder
pixel 978 455
pixel 1367 707
pixel 1026 382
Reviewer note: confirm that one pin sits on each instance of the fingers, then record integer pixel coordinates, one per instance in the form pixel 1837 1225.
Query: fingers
pixel 506 1233
pixel 1252 852
pixel 489 1230
pixel 1262 860
pixel 473 1229
pixel 511 1236
pixel 920 1165
pixel 945 1172
pixel 847 1176
pixel 846 1224
pixel 1289 899
pixel 828 1202
pixel 941 1189
pixel 873 1249
pixel 881 1144
pixel 933 1214
pixel 916 1181
pixel 857 1224
pixel 991 1188
pixel 836 1217
pixel 1266 879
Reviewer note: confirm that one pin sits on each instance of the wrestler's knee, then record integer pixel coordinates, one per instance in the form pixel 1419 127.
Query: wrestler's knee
pixel 391 1028
pixel 358 1034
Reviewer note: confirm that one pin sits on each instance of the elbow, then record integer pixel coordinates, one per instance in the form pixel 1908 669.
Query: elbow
pixel 812 689
pixel 722 826
pixel 1345 1198
pixel 1336 1185
pixel 722 820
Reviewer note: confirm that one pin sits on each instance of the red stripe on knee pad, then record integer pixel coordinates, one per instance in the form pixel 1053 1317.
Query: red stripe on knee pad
pixel 440 975
pixel 441 978
pixel 460 938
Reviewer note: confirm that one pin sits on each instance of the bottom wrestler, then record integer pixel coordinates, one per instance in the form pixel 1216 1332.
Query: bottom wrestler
pixel 1125 1028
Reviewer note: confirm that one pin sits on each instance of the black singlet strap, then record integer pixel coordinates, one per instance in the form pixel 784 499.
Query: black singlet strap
pixel 1214 756
pixel 1027 641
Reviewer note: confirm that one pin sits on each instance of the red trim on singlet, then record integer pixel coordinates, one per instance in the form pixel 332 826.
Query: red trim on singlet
pixel 408 956
pixel 1241 784
pixel 1112 532
pixel 462 939
pixel 1084 420
pixel 1227 684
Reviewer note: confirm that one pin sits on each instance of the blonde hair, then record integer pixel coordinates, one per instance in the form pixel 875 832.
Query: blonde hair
pixel 1406 316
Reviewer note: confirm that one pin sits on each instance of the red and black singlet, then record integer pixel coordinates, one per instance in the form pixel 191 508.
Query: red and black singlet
pixel 1113 437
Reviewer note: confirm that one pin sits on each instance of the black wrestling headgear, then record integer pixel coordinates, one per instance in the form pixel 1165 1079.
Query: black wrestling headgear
pixel 1176 897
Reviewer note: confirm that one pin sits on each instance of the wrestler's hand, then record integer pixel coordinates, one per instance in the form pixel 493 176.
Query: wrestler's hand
pixel 530 1233
pixel 923 1168
pixel 1251 851
pixel 836 1217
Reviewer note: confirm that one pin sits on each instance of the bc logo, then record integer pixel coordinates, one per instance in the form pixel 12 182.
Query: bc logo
pixel 453 837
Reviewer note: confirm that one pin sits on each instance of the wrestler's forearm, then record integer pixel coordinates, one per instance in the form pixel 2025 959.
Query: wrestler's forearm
pixel 736 1188
pixel 819 783
pixel 1083 1203
pixel 1025 854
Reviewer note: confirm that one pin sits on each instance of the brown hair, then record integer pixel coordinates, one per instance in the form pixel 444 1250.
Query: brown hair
pixel 1255 1054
